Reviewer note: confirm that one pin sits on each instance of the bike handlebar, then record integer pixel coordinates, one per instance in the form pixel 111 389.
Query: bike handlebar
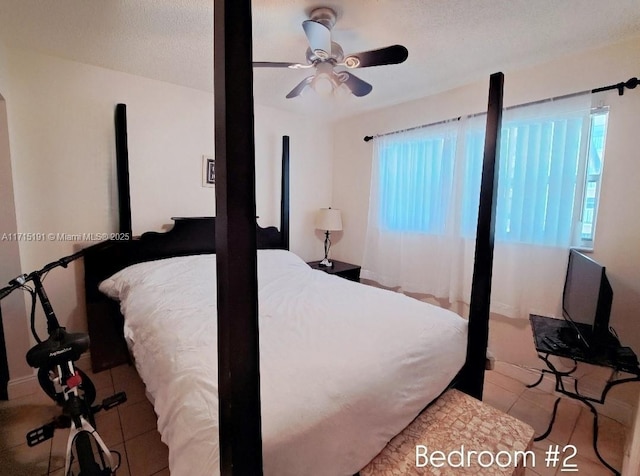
pixel 21 280
pixel 4 292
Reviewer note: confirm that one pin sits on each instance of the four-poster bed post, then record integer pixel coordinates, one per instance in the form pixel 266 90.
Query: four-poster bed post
pixel 472 374
pixel 284 194
pixel 235 240
pixel 122 165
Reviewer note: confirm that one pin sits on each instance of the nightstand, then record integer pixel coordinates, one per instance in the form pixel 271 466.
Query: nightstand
pixel 344 270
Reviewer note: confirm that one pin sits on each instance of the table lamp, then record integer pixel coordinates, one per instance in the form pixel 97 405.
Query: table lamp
pixel 328 219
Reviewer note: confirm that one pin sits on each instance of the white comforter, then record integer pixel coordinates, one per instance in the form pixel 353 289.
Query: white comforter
pixel 344 367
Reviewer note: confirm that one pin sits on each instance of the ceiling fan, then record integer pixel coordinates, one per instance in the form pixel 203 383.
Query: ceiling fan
pixel 327 57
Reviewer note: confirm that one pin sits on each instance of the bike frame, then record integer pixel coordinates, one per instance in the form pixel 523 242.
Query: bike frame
pixel 78 421
pixel 62 372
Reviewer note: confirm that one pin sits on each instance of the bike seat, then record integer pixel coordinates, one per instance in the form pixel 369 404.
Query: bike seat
pixel 59 348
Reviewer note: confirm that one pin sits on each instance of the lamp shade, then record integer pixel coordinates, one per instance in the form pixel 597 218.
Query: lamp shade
pixel 329 219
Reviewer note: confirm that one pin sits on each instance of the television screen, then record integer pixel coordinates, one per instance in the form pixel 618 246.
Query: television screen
pixel 587 297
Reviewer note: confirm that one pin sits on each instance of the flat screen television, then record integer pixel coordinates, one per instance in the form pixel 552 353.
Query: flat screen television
pixel 586 300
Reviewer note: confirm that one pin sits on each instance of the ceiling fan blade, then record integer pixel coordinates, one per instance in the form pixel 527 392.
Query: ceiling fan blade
pixel 274 64
pixel 300 87
pixel 319 37
pixel 357 86
pixel 390 55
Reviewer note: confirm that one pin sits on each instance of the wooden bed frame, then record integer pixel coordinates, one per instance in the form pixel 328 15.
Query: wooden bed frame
pixel 189 236
pixel 239 404
pixel 196 235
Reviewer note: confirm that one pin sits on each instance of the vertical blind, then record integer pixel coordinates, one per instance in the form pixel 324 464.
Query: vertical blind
pixel 539 178
pixel 416 174
pixel 424 196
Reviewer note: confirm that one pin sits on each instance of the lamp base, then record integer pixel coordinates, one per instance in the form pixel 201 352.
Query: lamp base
pixel 325 263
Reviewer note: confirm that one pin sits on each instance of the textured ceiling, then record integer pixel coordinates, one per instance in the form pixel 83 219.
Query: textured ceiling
pixel 450 42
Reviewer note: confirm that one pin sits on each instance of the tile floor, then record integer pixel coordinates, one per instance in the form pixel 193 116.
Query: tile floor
pixel 573 426
pixel 131 429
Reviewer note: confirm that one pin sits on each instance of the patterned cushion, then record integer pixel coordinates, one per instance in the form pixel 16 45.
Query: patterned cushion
pixel 460 427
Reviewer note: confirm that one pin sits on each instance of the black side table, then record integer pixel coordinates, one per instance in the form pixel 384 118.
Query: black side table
pixel 344 270
pixel 552 338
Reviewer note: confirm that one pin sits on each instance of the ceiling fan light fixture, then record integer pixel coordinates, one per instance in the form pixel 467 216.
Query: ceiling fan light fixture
pixel 342 91
pixel 323 85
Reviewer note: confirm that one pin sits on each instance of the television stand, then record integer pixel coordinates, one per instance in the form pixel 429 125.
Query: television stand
pixel 571 337
pixel 556 337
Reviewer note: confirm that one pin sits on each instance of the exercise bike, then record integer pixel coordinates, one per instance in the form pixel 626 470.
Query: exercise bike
pixel 65 384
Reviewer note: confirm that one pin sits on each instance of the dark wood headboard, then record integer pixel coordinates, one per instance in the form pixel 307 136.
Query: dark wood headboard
pixel 189 236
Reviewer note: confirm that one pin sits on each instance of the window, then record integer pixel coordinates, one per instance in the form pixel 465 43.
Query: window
pixel 416 181
pixel 592 177
pixel 550 168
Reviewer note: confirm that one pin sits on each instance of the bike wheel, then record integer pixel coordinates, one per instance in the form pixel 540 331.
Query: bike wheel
pixel 86 458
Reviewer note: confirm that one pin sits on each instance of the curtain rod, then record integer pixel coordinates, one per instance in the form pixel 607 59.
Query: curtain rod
pixel 629 84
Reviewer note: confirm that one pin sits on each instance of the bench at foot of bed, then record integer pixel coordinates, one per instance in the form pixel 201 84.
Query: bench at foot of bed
pixel 458 435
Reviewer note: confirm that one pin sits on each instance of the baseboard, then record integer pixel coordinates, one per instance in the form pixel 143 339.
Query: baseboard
pixel 28 385
pixel 22 386
pixel 614 408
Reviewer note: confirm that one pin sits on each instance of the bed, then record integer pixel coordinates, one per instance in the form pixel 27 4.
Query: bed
pixel 344 367
pixel 291 430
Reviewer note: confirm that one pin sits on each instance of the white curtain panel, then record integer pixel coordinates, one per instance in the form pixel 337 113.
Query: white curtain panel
pixel 424 195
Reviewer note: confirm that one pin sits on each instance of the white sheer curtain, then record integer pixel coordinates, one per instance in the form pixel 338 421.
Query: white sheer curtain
pixel 424 196
pixel 411 238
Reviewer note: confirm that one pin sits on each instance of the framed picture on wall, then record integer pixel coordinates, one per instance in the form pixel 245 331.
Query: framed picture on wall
pixel 208 171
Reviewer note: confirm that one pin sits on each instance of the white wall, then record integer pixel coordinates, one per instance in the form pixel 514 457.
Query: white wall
pixel 16 335
pixel 311 146
pixel 61 125
pixel 618 230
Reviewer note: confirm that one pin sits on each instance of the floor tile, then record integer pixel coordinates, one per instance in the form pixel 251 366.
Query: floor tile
pixel 539 417
pixel 611 439
pixel 526 376
pixel 108 426
pixel 147 454
pixel 530 472
pixel 58 449
pixel 587 467
pixel 539 465
pixel 137 418
pixel 505 382
pixel 498 397
pixel 566 419
pixel 104 392
pixel 19 416
pixel 126 379
pixel 532 414
pixel 123 469
pixel 539 397
pixel 23 460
